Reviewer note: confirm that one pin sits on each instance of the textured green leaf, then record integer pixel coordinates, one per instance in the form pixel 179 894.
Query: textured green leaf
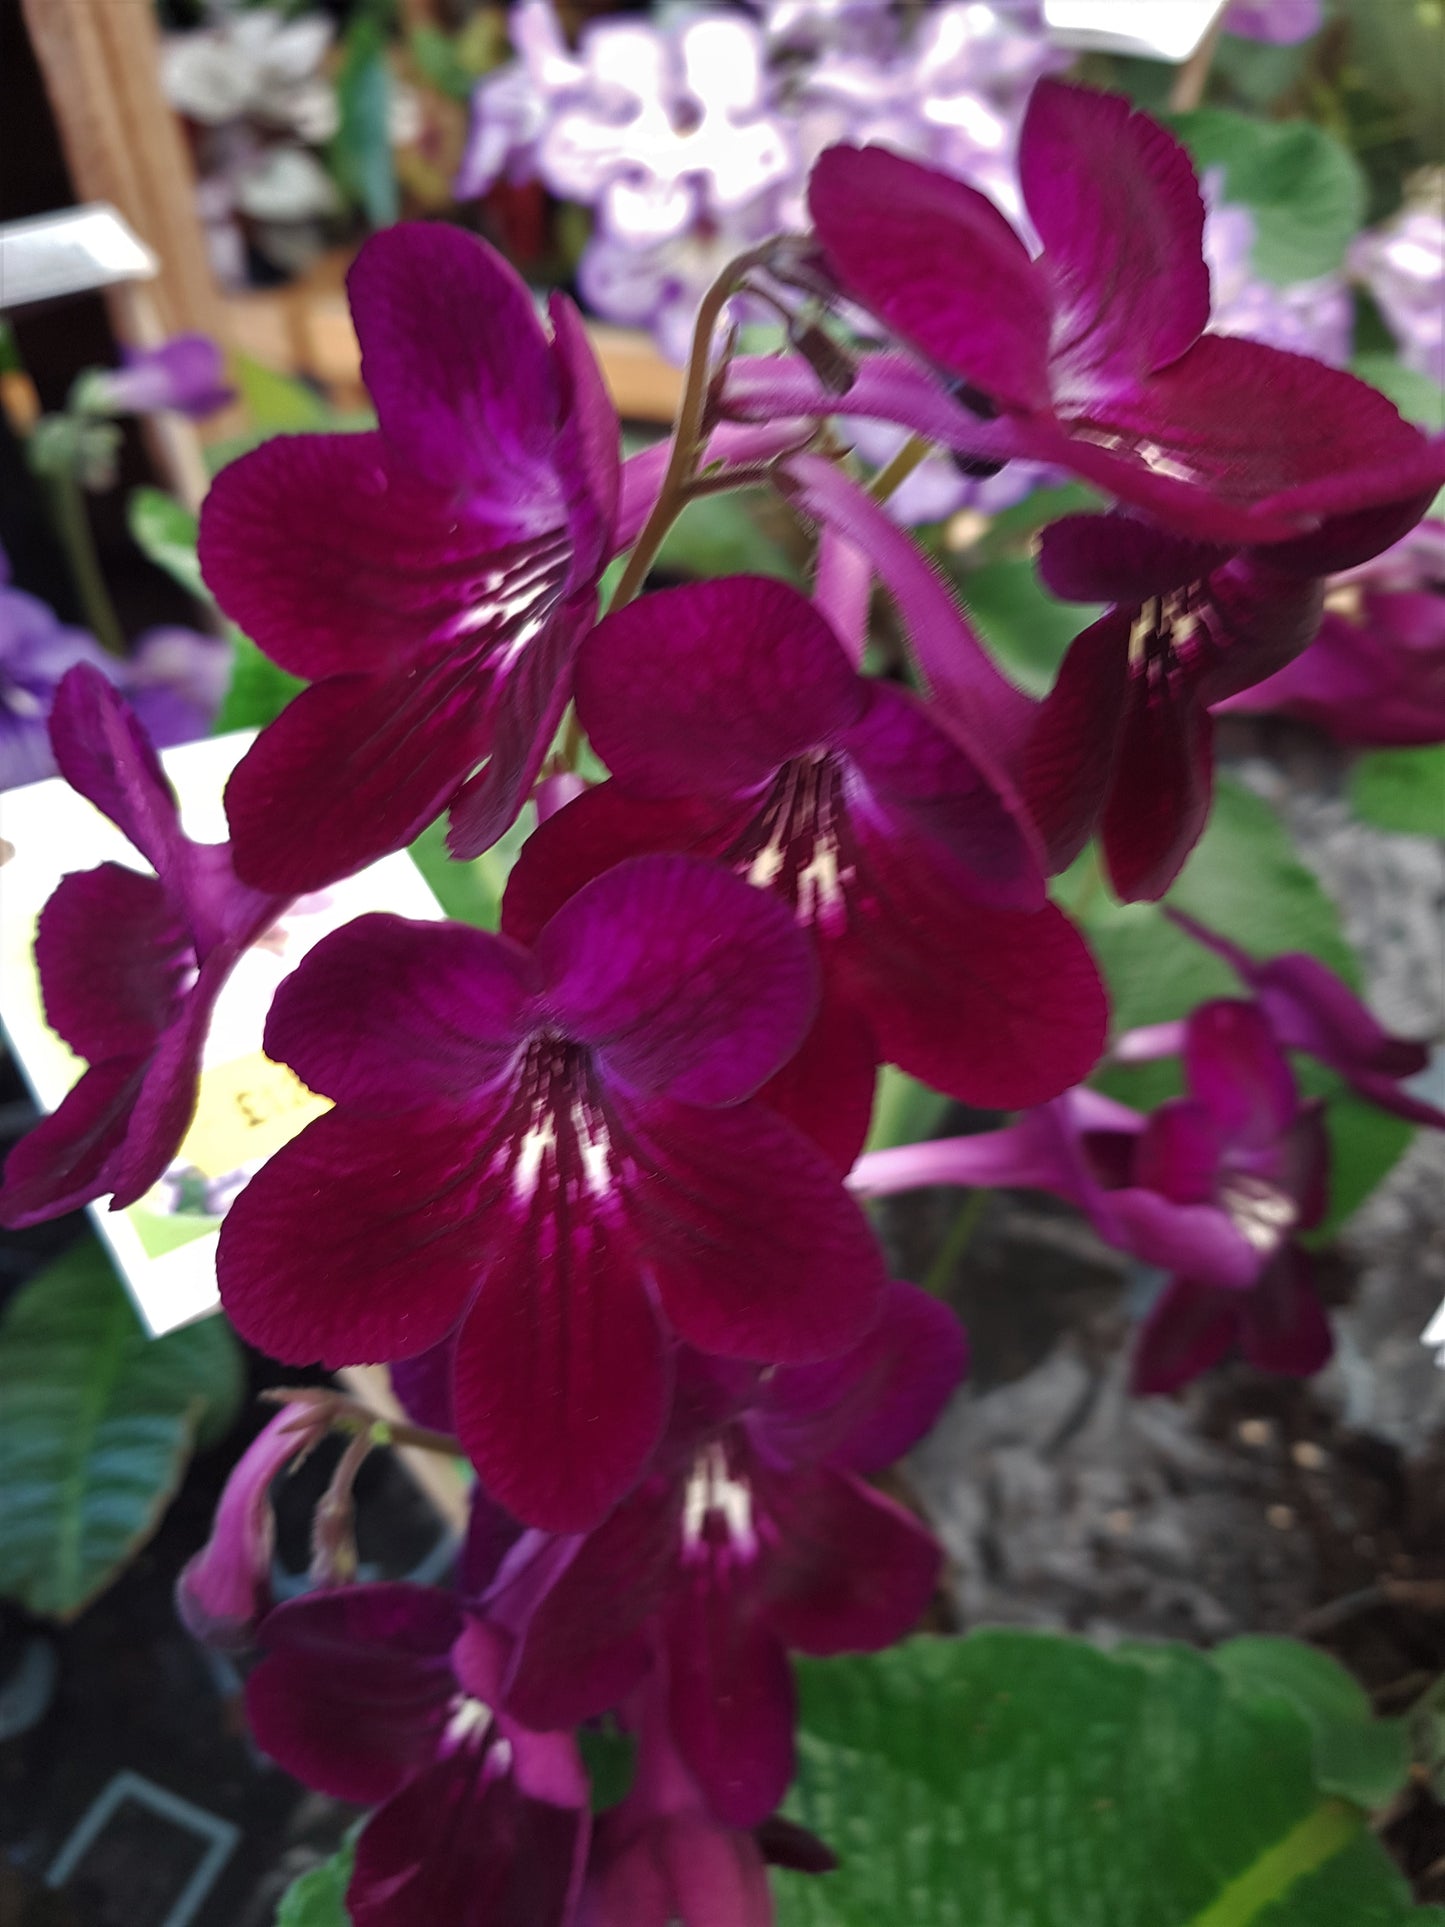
pixel 1025 627
pixel 361 150
pixel 1305 191
pixel 318 1898
pixel 258 691
pixel 1357 1756
pixel 165 533
pixel 1401 789
pixel 96 1424
pixel 279 404
pixel 1024 1780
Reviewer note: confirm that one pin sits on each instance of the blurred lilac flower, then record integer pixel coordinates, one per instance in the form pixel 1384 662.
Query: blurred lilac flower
pixel 130 969
pixel 383 1695
pixel 1282 23
pixel 1403 266
pixel 1211 1187
pixel 1307 317
pixel 185 374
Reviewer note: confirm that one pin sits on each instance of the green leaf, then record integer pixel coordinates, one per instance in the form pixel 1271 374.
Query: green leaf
pixel 96 1424
pixel 1357 1756
pixel 318 1898
pixel 1023 625
pixel 165 533
pixel 439 63
pixel 1401 789
pixel 1026 1780
pixel 1366 1144
pixel 279 404
pixel 904 1111
pixel 723 535
pixel 361 150
pixel 258 690
pixel 610 1757
pixel 1418 398
pixel 1305 191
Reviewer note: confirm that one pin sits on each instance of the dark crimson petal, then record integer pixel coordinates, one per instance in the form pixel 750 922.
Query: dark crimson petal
pixel 352 769
pixel 66 1161
pixel 166 1100
pixel 851 1572
pixel 385 1012
pixel 423 1386
pixel 456 359
pixel 367 565
pixel 358 1241
pixel 678 1867
pixel 1311 1009
pixel 589 446
pixel 731 1697
pixel 1163 780
pixel 756 1249
pixel 356 1687
pixel 1283 1327
pixel 1257 618
pixel 1069 756
pixel 999 1008
pixel 114 960
pixel 708 689
pixel 939 263
pixel 101 750
pixel 1238 1072
pixel 1302 1163
pixel 826 1087
pixel 1118 209
pixel 1178 1152
pixel 864 1409
pixel 918 779
pixel 561 1374
pixel 1345 541
pixel 1120 558
pixel 462 1844
pixel 681 977
pixel 1190 1328
pixel 585 1646
pixel 530 695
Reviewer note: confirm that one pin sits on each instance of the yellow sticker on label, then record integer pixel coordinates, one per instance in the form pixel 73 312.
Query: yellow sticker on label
pixel 247 1109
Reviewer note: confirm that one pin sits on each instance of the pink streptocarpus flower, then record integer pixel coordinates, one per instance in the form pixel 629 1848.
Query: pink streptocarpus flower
pixel 1093 354
pixel 753 1534
pixel 130 969
pixel 550 1152
pixel 384 1695
pixel 432 577
pixel 736 727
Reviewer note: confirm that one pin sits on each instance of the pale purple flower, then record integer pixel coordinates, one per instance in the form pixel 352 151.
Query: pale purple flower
pixel 185 374
pixel 1403 266
pixel 1280 23
pixel 1307 317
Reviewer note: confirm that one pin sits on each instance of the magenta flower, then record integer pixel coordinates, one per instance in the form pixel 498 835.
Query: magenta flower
pixel 1093 354
pixel 1282 23
pixel 432 577
pixel 1211 1187
pixel 1123 742
pixel 130 969
pixel 382 1693
pixel 754 1534
pixel 224 1591
pixel 736 727
pixel 186 374
pixel 550 1151
pixel 1309 1009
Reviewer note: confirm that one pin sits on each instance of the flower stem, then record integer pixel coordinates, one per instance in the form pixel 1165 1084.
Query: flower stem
pixel 72 524
pixel 940 1273
pixel 896 472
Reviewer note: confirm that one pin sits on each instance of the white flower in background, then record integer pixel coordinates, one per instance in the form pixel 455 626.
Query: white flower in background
pixel 1403 266
pixel 254 66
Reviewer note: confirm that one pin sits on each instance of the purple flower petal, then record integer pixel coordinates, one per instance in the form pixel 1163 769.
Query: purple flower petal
pixel 938 262
pixel 1120 558
pixel 852 1572
pixel 166 1100
pixel 385 1012
pixel 682 978
pixel 1188 1331
pixel 1177 1153
pixel 356 1687
pixel 590 447
pixel 114 961
pixel 1163 782
pixel 864 1409
pixel 1283 1327
pixel 1117 206
pixel 731 1699
pixel 104 754
pixel 64 1162
pixel 351 769
pixel 826 1087
pixel 706 690
pixel 1070 756
pixel 1237 1071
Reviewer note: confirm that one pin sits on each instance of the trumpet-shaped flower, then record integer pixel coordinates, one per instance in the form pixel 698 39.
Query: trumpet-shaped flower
pixel 736 727
pixel 1210 1187
pixel 130 969
pixel 753 1535
pixel 1093 355
pixel 550 1152
pixel 384 1694
pixel 431 577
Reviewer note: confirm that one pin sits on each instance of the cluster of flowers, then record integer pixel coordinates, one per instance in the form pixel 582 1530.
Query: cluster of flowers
pixel 585 1182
